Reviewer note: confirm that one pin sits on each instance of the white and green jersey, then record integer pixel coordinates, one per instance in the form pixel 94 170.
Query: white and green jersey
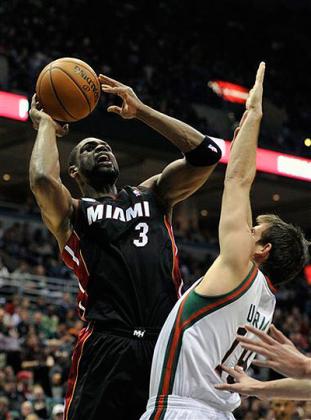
pixel 198 336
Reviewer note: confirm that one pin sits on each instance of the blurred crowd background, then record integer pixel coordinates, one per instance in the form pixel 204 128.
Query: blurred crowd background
pixel 39 324
pixel 169 65
pixel 169 51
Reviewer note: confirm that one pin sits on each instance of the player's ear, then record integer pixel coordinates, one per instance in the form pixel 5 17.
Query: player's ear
pixel 73 171
pixel 263 252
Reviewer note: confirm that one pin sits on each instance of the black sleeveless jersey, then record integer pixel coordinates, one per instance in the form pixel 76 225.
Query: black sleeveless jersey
pixel 123 252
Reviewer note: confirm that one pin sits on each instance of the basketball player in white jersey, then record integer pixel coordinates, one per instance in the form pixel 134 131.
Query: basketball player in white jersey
pixel 199 335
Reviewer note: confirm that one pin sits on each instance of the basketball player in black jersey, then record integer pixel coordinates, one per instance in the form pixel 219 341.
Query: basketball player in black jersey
pixel 121 247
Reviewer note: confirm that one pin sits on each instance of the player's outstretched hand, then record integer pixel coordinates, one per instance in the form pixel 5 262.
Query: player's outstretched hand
pixel 244 384
pixel 37 114
pixel 131 104
pixel 280 353
pixel 254 100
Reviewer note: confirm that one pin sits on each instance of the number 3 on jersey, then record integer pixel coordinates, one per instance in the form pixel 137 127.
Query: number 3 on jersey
pixel 143 238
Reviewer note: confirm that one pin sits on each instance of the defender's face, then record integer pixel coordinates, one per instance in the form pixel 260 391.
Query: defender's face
pixel 260 250
pixel 258 230
pixel 95 159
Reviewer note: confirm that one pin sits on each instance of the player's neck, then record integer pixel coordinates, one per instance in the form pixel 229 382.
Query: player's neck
pixel 96 192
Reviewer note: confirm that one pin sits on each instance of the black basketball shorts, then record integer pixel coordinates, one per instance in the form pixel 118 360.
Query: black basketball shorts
pixel 109 376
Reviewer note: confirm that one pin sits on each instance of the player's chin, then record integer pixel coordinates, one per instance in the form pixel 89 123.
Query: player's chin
pixel 107 174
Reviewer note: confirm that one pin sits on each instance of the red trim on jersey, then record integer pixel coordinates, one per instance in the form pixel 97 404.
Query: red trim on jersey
pixel 176 276
pixel 181 327
pixel 73 258
pixel 270 285
pixel 84 335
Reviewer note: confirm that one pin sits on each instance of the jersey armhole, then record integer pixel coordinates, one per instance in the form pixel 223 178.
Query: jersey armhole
pixel 167 211
pixel 76 219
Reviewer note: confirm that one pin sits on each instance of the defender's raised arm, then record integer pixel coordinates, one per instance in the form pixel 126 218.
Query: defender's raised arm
pixel 237 238
pixel 236 222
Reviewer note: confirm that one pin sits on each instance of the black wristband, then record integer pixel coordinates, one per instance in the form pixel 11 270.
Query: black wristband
pixel 206 153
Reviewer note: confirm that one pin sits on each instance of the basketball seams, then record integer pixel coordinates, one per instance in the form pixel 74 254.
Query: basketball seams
pixel 76 84
pixel 85 66
pixel 68 98
pixel 88 68
pixel 56 96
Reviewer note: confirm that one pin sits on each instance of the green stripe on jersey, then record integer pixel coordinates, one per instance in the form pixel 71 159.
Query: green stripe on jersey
pixel 192 309
pixel 196 302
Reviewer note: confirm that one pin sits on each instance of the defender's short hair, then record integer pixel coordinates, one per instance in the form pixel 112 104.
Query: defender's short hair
pixel 289 253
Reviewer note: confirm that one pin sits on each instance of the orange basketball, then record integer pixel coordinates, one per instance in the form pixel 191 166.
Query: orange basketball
pixel 68 89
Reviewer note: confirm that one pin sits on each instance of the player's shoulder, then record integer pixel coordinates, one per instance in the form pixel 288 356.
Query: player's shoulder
pixel 87 200
pixel 137 191
pixel 266 283
pixel 150 193
pixel 141 192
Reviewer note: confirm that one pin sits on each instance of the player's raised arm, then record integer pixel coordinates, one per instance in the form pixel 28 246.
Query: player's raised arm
pixel 236 236
pixel 53 198
pixel 184 176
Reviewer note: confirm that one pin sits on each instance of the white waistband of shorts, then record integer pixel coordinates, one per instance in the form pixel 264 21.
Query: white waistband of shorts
pixel 185 402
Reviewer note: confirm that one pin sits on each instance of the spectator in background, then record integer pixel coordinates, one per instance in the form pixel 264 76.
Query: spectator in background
pixel 57 387
pixel 4 409
pixel 21 271
pixel 41 403
pixel 32 417
pixel 25 383
pixel 291 318
pixel 144 66
pixel 3 271
pixel 33 354
pixel 23 326
pixel 58 412
pixel 15 397
pixel 284 410
pixel 26 409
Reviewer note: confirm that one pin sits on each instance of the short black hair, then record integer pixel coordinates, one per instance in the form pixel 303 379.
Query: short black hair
pixel 289 252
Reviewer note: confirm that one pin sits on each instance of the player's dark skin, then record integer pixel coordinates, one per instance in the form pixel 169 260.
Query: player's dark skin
pixel 98 168
pixel 95 177
pixel 94 167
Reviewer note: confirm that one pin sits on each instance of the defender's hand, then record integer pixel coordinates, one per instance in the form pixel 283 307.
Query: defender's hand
pixel 130 105
pixel 254 100
pixel 244 384
pixel 37 115
pixel 280 353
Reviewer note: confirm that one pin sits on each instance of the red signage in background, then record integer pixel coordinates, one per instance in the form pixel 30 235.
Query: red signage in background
pixel 229 91
pixel 274 162
pixel 307 271
pixel 13 106
pixel 16 107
